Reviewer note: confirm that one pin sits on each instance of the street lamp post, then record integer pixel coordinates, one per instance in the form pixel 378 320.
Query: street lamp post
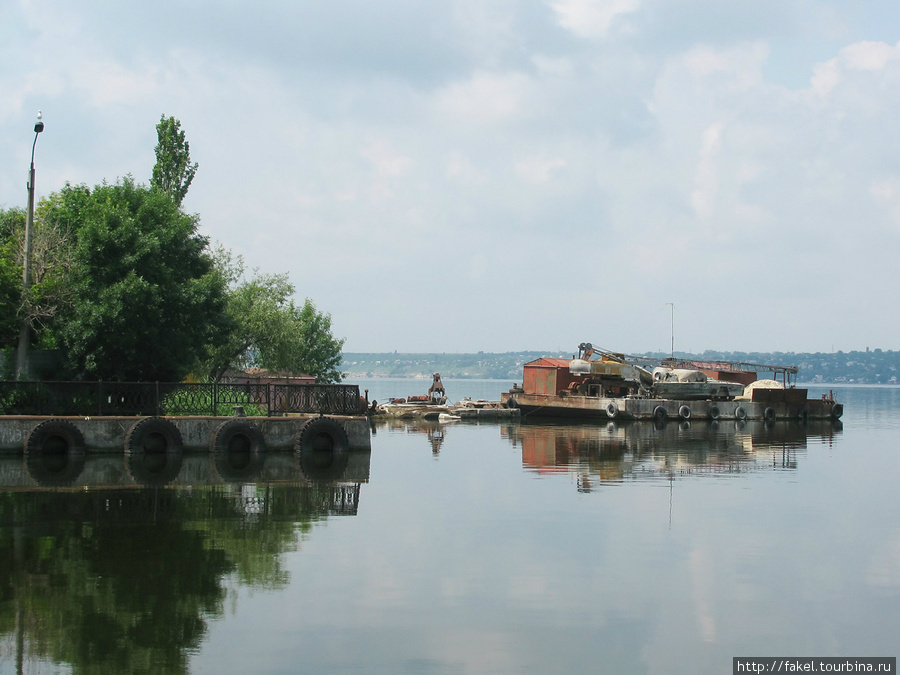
pixel 672 305
pixel 25 328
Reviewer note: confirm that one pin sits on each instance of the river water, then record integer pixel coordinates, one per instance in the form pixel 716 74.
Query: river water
pixel 471 548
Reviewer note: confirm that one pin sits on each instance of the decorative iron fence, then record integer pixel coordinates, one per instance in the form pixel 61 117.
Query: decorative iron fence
pixel 175 398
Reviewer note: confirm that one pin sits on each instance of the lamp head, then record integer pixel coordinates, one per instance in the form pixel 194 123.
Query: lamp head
pixel 39 125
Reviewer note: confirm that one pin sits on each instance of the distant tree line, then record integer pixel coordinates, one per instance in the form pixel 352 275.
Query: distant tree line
pixel 124 287
pixel 856 367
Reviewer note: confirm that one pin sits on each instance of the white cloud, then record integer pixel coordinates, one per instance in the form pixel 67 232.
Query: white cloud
pixel 485 98
pixel 538 169
pixel 707 179
pixel 870 55
pixel 460 168
pixel 494 117
pixel 860 56
pixel 591 18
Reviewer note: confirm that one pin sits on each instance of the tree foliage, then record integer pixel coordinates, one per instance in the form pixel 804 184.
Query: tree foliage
pixel 51 263
pixel 128 290
pixel 173 172
pixel 148 298
pixel 12 223
pixel 270 331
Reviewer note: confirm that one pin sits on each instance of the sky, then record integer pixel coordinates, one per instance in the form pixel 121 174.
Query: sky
pixel 502 175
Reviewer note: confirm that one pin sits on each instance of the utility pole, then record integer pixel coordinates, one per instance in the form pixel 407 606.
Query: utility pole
pixel 672 305
pixel 25 328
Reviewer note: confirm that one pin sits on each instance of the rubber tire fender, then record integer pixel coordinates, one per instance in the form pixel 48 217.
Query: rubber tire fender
pixel 57 465
pixel 713 412
pixel 322 447
pixel 684 412
pixel 612 409
pixel 237 432
pixel 40 434
pixel 740 413
pixel 837 410
pixel 660 414
pixel 769 415
pixel 236 464
pixel 145 436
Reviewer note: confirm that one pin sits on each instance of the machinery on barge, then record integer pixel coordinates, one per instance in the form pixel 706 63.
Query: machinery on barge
pixel 609 385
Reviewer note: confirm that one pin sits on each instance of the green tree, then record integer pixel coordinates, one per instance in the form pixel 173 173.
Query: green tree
pixel 317 352
pixel 147 296
pixel 12 224
pixel 51 263
pixel 173 172
pixel 270 331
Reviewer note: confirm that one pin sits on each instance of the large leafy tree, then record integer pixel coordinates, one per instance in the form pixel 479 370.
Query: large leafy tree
pixel 51 262
pixel 11 222
pixel 270 330
pixel 148 298
pixel 173 172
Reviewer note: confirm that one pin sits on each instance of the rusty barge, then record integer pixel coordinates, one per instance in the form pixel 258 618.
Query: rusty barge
pixel 605 385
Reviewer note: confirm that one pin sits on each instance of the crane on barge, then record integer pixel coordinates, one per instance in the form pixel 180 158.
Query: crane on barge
pixel 712 368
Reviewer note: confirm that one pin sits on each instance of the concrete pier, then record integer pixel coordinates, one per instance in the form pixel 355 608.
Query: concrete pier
pixel 108 434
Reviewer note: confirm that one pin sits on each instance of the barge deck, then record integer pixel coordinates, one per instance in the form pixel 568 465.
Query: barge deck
pixel 616 387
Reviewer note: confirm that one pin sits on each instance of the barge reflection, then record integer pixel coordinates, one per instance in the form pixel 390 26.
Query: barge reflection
pixel 614 453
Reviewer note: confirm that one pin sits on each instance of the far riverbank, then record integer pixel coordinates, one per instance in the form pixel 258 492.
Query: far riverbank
pixel 857 367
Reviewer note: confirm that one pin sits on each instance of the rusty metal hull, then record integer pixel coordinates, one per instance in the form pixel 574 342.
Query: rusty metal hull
pixel 791 404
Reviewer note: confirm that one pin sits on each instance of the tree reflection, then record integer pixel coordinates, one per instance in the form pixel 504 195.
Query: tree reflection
pixel 125 580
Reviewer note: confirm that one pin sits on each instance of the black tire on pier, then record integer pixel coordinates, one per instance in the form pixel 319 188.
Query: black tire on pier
pixel 740 413
pixel 612 410
pixel 54 436
pixel 237 435
pixel 837 410
pixel 54 453
pixel 660 414
pixel 322 448
pixel 155 435
pixel 713 412
pixel 684 412
pixel 237 450
pixel 769 415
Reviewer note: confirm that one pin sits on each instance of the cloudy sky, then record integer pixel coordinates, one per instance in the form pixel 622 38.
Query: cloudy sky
pixel 502 175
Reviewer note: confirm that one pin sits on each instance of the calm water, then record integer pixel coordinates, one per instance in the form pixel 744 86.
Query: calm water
pixel 491 548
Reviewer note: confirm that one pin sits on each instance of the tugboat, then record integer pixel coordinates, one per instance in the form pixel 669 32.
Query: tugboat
pixel 609 385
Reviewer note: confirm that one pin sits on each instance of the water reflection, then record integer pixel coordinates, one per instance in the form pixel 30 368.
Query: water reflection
pixel 109 575
pixel 177 468
pixel 435 432
pixel 614 452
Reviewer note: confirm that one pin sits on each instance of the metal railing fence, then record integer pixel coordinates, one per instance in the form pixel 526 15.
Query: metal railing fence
pixel 174 398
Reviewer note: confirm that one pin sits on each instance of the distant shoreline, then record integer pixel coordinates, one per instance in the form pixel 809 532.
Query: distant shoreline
pixel 839 368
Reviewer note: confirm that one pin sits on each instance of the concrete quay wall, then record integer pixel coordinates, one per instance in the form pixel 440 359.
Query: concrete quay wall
pixel 107 434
